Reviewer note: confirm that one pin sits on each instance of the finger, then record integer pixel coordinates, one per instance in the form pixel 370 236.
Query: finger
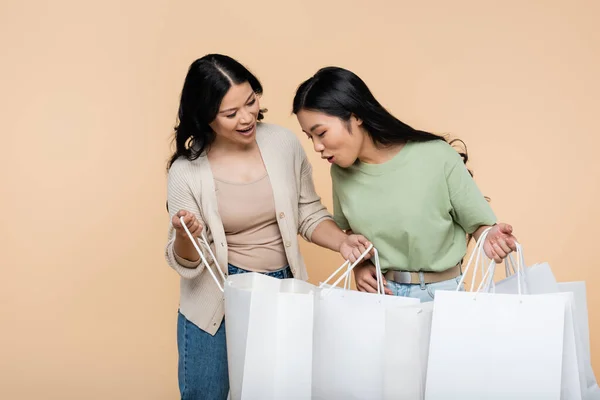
pixel 504 246
pixel 511 242
pixel 495 257
pixel 351 258
pixel 487 249
pixel 176 222
pixel 181 213
pixel 506 228
pixel 190 219
pixel 361 249
pixel 499 251
pixel 373 273
pixel 363 240
pixel 368 285
pixel 388 291
pixel 195 228
pixel 356 253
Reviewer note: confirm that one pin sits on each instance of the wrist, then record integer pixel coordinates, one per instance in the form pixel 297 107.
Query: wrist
pixel 341 242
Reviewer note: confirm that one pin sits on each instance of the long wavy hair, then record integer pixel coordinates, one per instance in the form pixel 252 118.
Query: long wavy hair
pixel 208 80
pixel 341 93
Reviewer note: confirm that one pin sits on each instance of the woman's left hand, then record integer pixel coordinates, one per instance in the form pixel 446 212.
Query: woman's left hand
pixel 354 246
pixel 499 242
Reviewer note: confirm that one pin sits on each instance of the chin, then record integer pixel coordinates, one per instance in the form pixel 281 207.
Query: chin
pixel 343 164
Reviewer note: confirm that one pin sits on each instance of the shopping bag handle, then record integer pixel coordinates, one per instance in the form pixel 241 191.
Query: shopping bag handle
pixel 478 247
pixel 378 274
pixel 207 246
pixel 349 267
pixel 488 276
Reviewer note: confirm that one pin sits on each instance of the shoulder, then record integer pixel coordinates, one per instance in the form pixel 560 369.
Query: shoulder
pixel 436 151
pixel 184 169
pixel 272 135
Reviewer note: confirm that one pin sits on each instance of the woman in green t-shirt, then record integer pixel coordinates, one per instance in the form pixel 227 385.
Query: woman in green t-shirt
pixel 408 191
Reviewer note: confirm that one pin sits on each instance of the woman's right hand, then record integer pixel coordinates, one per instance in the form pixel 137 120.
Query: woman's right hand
pixel 191 222
pixel 366 278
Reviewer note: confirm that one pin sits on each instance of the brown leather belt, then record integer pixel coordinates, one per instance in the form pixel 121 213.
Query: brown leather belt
pixel 428 277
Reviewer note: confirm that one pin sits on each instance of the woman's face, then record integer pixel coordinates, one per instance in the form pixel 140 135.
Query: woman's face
pixel 338 141
pixel 236 120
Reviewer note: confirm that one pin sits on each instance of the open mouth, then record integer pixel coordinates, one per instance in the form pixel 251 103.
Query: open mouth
pixel 247 131
pixel 329 159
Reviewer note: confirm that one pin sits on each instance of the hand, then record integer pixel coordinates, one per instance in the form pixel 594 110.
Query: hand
pixel 499 242
pixel 190 221
pixel 366 279
pixel 353 247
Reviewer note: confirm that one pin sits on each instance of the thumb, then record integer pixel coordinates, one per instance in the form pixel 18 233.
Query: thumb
pixel 362 240
pixel 505 228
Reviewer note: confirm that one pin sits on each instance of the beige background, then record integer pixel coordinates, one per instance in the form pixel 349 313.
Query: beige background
pixel 88 99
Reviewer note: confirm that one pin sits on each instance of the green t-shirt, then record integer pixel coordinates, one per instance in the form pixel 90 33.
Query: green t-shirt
pixel 415 208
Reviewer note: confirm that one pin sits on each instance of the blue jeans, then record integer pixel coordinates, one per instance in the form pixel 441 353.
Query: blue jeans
pixel 202 368
pixel 424 292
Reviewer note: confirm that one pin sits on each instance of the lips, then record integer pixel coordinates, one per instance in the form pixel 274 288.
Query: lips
pixel 330 159
pixel 246 131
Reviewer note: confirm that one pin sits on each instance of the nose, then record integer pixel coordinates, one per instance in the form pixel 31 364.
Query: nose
pixel 245 117
pixel 318 146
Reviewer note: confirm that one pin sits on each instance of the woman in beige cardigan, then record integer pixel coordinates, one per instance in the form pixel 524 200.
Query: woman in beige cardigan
pixel 248 186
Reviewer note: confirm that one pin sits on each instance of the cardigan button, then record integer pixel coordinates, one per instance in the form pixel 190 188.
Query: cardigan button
pixel 281 215
pixel 287 243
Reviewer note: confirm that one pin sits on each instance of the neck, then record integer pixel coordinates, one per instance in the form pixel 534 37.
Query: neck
pixel 226 146
pixel 373 153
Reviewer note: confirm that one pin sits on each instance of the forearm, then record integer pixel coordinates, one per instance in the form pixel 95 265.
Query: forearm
pixel 479 231
pixel 327 234
pixel 184 248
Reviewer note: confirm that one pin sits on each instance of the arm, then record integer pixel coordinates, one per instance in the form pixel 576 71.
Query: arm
pixel 311 212
pixel 179 251
pixel 479 231
pixel 472 211
pixel 316 224
pixel 327 234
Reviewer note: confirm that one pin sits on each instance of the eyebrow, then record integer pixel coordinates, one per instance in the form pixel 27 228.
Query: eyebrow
pixel 235 108
pixel 315 126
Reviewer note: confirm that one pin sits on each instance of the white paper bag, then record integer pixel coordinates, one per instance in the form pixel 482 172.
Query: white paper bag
pixel 540 280
pixel 349 334
pixel 269 325
pixel 578 289
pixel 407 334
pixel 496 346
pixel 573 373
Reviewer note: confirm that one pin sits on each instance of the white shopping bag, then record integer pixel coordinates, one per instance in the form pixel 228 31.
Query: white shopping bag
pixel 496 346
pixel 591 392
pixel 349 334
pixel 406 343
pixel 269 337
pixel 269 328
pixel 540 280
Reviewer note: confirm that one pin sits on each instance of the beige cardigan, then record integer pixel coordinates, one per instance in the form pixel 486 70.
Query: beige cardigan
pixel 298 207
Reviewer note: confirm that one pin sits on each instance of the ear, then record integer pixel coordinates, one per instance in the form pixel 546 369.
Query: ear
pixel 358 120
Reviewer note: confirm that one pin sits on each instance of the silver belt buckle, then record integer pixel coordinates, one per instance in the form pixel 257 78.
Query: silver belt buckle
pixel 402 277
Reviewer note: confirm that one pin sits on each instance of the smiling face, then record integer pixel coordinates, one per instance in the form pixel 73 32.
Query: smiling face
pixel 236 120
pixel 339 142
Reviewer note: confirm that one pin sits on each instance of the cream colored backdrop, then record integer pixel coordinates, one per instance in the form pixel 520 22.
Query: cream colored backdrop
pixel 88 98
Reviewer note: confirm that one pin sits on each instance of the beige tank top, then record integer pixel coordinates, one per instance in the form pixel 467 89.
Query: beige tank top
pixel 249 218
